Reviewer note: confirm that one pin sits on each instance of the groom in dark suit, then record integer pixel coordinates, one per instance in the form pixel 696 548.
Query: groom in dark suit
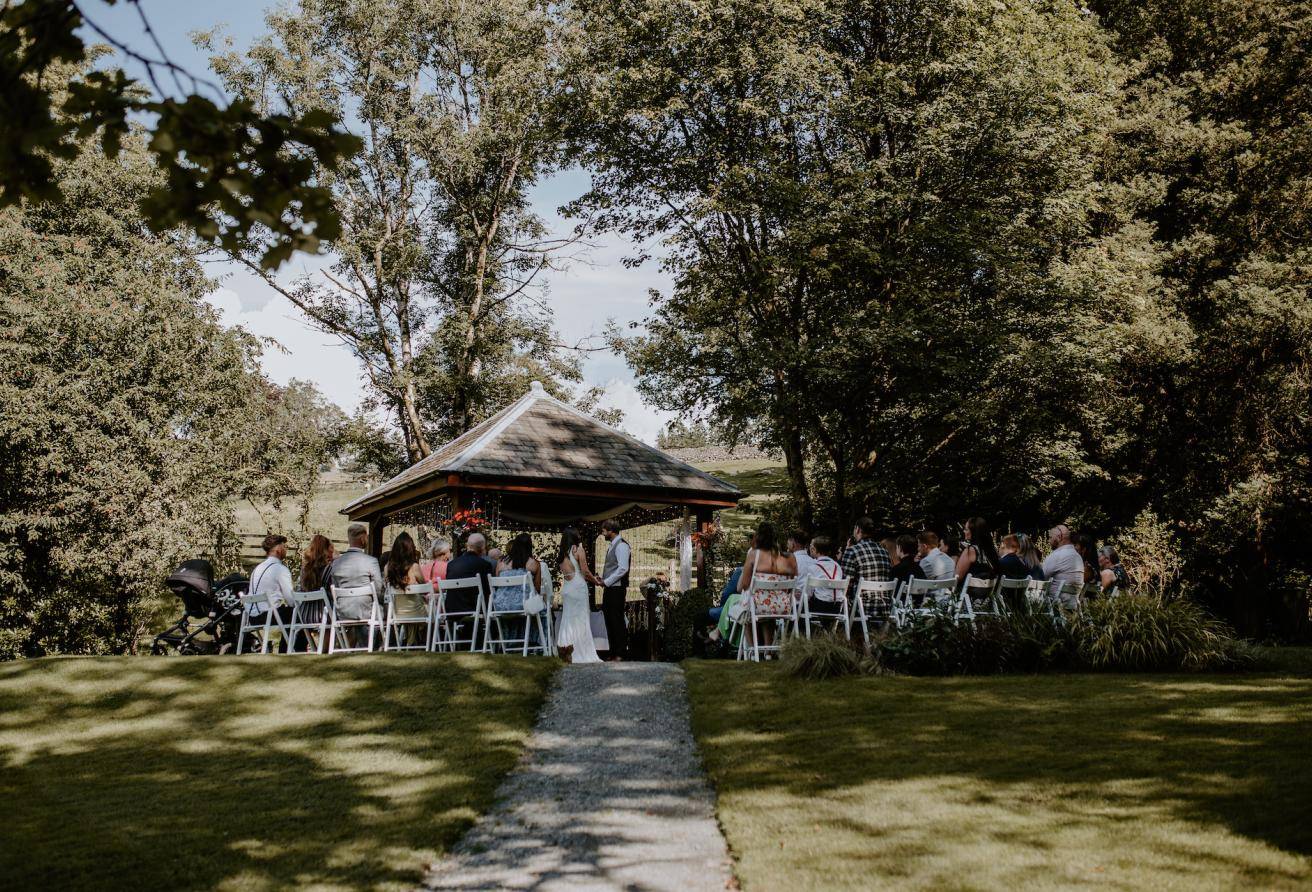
pixel 615 578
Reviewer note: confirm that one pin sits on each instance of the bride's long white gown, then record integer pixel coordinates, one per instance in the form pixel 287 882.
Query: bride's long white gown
pixel 575 621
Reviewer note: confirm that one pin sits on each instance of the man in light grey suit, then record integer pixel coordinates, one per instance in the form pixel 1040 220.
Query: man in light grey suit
pixel 355 568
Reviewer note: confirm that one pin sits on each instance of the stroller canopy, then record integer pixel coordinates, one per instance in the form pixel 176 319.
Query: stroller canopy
pixel 193 577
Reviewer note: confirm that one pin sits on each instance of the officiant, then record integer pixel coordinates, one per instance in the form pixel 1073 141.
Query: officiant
pixel 615 579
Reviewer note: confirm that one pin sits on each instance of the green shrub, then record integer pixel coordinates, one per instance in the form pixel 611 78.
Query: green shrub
pixel 1138 633
pixel 683 615
pixel 936 644
pixel 821 656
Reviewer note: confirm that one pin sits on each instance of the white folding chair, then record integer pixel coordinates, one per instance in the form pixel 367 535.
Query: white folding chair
pixel 924 597
pixel 1063 597
pixel 1036 595
pixel 837 591
pixel 340 642
pixel 1010 595
pixel 978 597
pixel 408 609
pixel 259 604
pixel 447 623
pixel 312 616
pixel 495 635
pixel 874 601
pixel 758 610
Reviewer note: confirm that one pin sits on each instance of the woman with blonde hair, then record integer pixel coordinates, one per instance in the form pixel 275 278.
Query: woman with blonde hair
pixel 439 554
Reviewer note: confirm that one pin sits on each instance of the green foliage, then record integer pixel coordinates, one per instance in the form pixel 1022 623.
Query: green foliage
pixel 128 416
pixel 1128 633
pixel 239 178
pixel 679 434
pixel 682 618
pixel 820 656
pixel 1150 552
pixel 1133 633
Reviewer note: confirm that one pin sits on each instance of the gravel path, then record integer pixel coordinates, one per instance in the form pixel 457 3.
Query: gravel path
pixel 610 795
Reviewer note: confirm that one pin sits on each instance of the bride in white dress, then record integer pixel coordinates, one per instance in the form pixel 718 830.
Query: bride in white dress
pixel 575 630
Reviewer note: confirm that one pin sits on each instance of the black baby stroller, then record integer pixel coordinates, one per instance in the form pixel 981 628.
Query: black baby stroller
pixel 211 611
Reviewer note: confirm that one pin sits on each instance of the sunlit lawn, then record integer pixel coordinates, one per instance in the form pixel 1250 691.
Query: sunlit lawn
pixel 1116 781
pixel 251 772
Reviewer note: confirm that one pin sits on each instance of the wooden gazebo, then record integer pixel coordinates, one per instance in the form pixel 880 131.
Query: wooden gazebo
pixel 546 465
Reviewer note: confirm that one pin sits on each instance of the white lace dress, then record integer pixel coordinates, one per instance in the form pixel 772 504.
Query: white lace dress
pixel 575 628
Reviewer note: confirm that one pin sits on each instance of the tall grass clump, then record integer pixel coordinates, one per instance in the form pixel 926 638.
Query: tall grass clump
pixel 821 656
pixel 1136 633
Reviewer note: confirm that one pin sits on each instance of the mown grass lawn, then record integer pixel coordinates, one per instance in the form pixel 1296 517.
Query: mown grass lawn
pixel 1055 781
pixel 251 772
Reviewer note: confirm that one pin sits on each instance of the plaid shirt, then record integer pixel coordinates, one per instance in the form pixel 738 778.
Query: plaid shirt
pixel 866 559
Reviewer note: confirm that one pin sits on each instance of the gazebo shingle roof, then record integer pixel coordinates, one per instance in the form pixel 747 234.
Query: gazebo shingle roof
pixel 540 438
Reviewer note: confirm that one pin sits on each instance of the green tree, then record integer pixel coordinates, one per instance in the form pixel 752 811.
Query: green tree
pixel 129 417
pixel 239 178
pixel 435 284
pixel 863 203
pixel 1208 224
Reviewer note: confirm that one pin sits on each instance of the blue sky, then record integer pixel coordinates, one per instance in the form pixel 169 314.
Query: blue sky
pixel 584 297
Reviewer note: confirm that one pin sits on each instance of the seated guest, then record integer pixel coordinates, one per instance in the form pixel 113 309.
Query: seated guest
pixel 822 564
pixel 728 597
pixel 767 561
pixel 403 567
pixel 864 557
pixel 890 545
pixel 950 544
pixel 494 555
pixel 1111 574
pixel 518 562
pixel 979 557
pixel 314 566
pixel 1063 563
pixel 272 579
pixel 933 561
pixel 799 548
pixel 1029 553
pixel 439 555
pixel 907 567
pixel 1088 550
pixel 355 568
pixel 1010 563
pixel 314 562
pixel 470 565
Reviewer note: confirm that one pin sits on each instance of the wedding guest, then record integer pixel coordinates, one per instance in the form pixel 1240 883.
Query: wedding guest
pixel 933 561
pixel 822 564
pixel 768 561
pixel 799 548
pixel 439 556
pixel 1088 550
pixel 729 596
pixel 519 561
pixel 907 567
pixel 473 564
pixel 403 567
pixel 1063 563
pixel 979 557
pixel 355 568
pixel 865 558
pixel 314 561
pixel 1011 565
pixel 272 579
pixel 950 544
pixel 1111 574
pixel 494 555
pixel 1029 553
pixel 889 544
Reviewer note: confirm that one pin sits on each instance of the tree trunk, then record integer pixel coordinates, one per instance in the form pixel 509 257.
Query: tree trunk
pixel 796 461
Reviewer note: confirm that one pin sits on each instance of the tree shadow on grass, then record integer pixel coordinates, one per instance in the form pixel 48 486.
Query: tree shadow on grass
pixel 1142 766
pixel 259 772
